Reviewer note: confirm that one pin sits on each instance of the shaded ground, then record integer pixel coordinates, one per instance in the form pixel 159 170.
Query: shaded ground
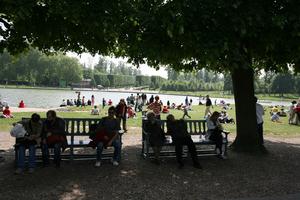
pixel 241 176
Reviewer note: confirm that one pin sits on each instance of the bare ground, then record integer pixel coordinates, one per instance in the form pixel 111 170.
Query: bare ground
pixel 240 176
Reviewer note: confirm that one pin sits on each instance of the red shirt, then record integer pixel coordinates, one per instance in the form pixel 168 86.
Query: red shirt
pixel 6 112
pixel 155 107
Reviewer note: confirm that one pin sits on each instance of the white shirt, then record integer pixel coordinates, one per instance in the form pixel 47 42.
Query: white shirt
pixel 259 113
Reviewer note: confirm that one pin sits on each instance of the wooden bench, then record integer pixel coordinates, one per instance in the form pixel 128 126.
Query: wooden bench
pixel 78 132
pixel 197 130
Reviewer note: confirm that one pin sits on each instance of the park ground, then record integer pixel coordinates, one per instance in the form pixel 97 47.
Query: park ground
pixel 241 176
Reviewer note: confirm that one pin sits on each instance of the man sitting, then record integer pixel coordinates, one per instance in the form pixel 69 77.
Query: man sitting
pixel 178 130
pixel 107 135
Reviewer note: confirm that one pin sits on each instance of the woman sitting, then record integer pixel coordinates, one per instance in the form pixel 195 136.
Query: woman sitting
pixel 214 132
pixel 156 135
pixel 165 109
pixel 21 104
pixel 7 113
pixel 32 138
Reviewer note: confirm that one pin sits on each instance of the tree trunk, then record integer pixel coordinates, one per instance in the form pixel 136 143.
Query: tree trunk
pixel 247 139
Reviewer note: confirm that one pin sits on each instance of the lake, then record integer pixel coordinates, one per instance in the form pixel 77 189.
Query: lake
pixel 39 98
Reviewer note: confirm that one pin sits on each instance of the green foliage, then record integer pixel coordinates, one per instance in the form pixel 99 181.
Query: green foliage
pixel 141 80
pixel 36 68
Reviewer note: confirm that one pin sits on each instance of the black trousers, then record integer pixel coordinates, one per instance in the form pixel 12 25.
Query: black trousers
pixel 179 142
pixel 260 132
pixel 217 137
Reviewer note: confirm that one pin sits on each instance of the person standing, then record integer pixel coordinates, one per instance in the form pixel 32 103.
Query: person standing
pixel 92 100
pixel 259 117
pixel 208 105
pixel 186 101
pixel 121 113
pixel 185 112
pixel 156 107
pixel 103 103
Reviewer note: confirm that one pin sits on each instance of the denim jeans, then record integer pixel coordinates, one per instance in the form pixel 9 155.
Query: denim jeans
pixel 117 150
pixel 57 150
pixel 21 156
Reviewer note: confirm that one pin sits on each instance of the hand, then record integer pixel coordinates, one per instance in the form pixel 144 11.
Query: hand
pixel 109 143
pixel 49 134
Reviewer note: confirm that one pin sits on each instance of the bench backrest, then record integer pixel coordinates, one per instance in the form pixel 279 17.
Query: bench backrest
pixel 194 127
pixel 77 126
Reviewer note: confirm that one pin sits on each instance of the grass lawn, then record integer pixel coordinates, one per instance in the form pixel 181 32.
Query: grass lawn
pixel 270 128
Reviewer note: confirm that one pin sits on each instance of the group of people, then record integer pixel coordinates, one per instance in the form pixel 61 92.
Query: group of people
pixel 50 133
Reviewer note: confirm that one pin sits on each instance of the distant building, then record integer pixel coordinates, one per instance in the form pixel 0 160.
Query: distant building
pixel 84 83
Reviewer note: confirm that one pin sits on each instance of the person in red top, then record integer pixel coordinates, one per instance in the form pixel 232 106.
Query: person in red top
pixel 121 113
pixel 21 104
pixel 7 113
pixel 109 102
pixel 156 107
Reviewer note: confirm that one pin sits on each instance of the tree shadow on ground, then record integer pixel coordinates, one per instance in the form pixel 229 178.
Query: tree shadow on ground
pixel 241 175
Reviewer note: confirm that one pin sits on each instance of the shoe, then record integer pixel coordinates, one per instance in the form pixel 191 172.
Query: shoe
pixel 221 157
pixel 31 170
pixel 197 166
pixel 19 171
pixel 98 164
pixel 115 163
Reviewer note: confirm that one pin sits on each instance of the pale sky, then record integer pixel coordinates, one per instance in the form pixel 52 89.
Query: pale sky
pixel 91 61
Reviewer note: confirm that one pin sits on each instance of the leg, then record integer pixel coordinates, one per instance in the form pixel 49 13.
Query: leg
pixel 31 163
pixel 21 157
pixel 117 150
pixel 124 123
pixel 178 151
pixel 192 149
pixel 57 149
pixel 45 154
pixel 260 133
pixel 99 151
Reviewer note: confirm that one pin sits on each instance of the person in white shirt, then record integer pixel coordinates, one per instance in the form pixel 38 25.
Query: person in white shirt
pixel 95 111
pixel 259 117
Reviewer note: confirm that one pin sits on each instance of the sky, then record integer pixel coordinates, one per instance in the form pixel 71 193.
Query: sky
pixel 90 61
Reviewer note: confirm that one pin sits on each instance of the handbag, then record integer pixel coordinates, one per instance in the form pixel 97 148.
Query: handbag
pixel 18 131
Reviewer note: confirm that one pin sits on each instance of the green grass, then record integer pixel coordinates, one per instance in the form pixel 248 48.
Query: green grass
pixel 270 128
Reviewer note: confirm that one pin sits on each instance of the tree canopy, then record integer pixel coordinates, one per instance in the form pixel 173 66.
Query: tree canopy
pixel 234 36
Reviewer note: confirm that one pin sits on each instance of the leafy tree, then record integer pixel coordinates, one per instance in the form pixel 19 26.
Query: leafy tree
pixel 224 36
pixel 282 84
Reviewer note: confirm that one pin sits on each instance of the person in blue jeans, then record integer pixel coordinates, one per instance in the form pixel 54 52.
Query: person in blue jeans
pixel 32 138
pixel 111 126
pixel 53 136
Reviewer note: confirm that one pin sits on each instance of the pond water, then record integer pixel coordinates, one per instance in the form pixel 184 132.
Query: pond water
pixel 39 98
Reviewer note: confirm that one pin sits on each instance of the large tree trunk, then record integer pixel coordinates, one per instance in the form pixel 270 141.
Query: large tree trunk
pixel 247 139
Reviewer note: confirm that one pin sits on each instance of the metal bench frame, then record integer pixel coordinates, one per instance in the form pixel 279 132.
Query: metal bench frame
pixel 76 127
pixel 197 130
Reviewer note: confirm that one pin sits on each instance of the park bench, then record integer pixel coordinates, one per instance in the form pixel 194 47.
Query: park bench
pixel 77 132
pixel 197 130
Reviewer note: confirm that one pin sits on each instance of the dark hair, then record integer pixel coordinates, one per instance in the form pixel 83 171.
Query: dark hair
pixel 255 98
pixel 112 108
pixel 294 102
pixel 51 112
pixel 35 117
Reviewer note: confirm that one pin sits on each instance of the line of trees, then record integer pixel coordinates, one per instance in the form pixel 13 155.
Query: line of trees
pixel 271 83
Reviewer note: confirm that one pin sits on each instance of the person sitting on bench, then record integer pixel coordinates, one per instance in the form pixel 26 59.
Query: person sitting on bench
pixel 156 135
pixel 178 130
pixel 107 134
pixel 53 136
pixel 214 132
pixel 32 138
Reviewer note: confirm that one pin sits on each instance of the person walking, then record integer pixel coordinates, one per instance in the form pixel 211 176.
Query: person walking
pixel 208 105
